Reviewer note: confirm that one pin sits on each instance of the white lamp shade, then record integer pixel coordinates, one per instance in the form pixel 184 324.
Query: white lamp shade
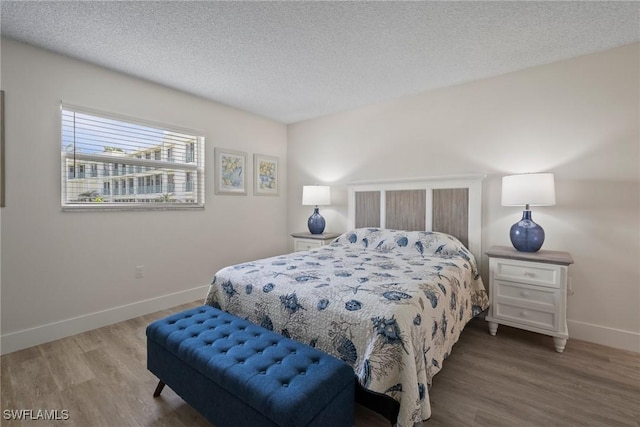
pixel 316 195
pixel 535 189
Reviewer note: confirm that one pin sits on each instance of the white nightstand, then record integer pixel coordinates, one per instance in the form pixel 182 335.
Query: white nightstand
pixel 306 241
pixel 529 291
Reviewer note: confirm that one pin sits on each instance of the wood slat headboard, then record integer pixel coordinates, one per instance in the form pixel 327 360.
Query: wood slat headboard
pixel 450 204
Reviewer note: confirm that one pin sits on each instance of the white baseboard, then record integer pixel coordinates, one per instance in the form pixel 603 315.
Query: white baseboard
pixel 25 338
pixel 618 338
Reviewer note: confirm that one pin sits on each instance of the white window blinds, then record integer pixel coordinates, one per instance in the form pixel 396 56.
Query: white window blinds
pixel 116 162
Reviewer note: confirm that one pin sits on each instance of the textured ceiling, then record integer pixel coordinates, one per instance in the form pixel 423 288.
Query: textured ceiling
pixel 292 61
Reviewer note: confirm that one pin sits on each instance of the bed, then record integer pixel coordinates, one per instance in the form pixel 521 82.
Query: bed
pixel 390 303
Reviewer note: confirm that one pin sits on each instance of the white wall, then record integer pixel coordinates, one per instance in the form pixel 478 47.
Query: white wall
pixel 59 265
pixel 577 118
pixel 66 272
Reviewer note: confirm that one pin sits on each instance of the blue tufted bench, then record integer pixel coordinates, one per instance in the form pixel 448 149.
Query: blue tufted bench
pixel 236 373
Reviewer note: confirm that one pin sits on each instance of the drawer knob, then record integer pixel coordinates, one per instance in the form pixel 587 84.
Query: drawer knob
pixel 523 314
pixel 528 274
pixel 525 294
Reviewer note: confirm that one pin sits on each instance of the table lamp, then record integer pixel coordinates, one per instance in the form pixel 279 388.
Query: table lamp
pixel 314 195
pixel 535 189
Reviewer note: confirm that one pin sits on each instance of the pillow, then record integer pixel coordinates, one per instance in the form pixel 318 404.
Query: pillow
pixel 424 243
pixel 410 242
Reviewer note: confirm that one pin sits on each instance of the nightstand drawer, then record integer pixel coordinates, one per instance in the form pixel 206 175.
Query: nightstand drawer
pixel 307 241
pixel 526 294
pixel 535 273
pixel 305 245
pixel 525 316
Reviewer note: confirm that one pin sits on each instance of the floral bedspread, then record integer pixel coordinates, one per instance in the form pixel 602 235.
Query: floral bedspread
pixel 389 303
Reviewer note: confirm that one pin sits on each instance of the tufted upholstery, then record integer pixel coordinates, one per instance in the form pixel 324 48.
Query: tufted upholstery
pixel 287 382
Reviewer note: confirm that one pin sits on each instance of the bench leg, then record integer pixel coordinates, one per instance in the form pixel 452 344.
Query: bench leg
pixel 158 389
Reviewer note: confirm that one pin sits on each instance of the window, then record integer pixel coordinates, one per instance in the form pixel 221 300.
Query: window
pixel 121 163
pixel 188 185
pixel 189 155
pixel 158 187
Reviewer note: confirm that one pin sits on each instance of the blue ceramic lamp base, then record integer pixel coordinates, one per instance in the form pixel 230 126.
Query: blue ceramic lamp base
pixel 316 222
pixel 526 235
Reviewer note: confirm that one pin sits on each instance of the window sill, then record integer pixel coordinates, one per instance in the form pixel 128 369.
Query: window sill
pixel 132 207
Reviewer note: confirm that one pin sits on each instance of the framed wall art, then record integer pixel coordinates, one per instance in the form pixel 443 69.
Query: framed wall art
pixel 265 175
pixel 230 172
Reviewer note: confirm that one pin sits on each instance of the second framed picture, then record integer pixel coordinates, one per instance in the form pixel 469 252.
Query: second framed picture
pixel 231 172
pixel 265 175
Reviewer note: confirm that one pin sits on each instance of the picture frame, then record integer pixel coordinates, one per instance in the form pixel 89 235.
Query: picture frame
pixel 266 181
pixel 230 172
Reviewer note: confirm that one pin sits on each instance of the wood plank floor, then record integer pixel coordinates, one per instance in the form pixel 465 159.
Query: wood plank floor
pixel 513 379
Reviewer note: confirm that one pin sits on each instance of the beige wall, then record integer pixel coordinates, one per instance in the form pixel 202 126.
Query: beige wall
pixel 59 265
pixel 577 118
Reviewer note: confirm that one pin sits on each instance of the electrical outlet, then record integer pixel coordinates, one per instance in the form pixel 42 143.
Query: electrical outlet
pixel 139 271
pixel 569 287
